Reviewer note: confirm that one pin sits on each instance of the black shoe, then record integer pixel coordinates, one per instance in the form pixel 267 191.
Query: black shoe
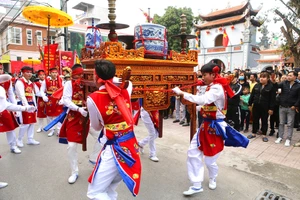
pixel 176 120
pixel 182 122
pixel 166 117
pixel 271 133
pixel 298 129
pixel 186 124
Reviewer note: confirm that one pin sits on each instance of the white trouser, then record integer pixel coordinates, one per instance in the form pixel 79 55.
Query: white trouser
pixel 11 138
pixel 40 122
pixel 73 157
pixel 97 146
pixel 153 134
pixel 106 179
pixel 195 164
pixel 30 131
pixel 57 126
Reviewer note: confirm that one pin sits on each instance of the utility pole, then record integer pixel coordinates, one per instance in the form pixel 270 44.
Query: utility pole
pixel 63 7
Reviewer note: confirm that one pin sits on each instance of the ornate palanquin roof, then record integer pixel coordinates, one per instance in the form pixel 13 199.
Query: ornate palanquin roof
pixel 228 16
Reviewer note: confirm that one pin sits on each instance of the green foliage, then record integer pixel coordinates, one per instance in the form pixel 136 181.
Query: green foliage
pixel 295 4
pixel 171 20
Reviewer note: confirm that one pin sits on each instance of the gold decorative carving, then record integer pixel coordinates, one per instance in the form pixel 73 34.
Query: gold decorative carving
pixel 175 78
pixel 156 98
pixel 112 50
pixel 136 78
pixel 191 56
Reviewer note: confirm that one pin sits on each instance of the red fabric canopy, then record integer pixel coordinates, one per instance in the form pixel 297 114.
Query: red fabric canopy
pixel 17 65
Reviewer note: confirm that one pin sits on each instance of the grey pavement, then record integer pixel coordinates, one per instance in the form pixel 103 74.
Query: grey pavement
pixel 41 172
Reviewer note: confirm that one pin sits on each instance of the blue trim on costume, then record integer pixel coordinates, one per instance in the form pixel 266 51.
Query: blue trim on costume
pixel 60 119
pixel 100 135
pixel 127 179
pixel 127 158
pixel 232 137
pixel 63 140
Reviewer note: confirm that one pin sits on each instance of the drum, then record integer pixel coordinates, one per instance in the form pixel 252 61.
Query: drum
pixel 153 37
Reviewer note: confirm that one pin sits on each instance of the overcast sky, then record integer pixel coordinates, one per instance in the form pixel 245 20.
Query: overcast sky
pixel 128 11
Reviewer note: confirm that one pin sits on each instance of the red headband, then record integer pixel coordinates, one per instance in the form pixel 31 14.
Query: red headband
pixel 41 72
pixel 26 70
pixel 77 71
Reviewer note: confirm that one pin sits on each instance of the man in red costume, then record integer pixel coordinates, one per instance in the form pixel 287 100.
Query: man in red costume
pixel 25 94
pixel 41 105
pixel 6 108
pixel 72 129
pixel 208 142
pixel 8 121
pixel 110 112
pixel 53 109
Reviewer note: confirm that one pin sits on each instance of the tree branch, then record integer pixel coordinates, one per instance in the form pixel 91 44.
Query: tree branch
pixel 287 36
pixel 288 7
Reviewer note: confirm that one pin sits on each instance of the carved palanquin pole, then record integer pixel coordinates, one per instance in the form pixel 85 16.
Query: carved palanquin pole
pixel 152 79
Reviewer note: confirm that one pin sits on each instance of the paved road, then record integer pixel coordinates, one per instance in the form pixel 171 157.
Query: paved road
pixel 41 172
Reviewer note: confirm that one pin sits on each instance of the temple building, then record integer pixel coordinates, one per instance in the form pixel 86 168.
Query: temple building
pixel 238 24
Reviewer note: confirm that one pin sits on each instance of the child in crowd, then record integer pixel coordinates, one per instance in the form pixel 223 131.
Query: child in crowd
pixel 245 112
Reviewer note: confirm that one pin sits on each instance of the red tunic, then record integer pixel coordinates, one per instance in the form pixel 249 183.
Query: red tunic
pixel 7 119
pixel 210 143
pixel 41 105
pixel 53 109
pixel 116 127
pixel 72 127
pixel 28 118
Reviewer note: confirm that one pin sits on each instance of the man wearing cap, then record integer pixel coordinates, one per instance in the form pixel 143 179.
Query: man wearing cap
pixel 66 75
pixel 8 121
pixel 41 105
pixel 25 93
pixel 110 112
pixel 53 109
pixel 5 110
pixel 71 131
pixel 208 142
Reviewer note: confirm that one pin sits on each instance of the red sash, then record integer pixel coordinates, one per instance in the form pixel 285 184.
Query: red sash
pixel 7 121
pixel 53 108
pixel 72 127
pixel 116 130
pixel 210 143
pixel 28 118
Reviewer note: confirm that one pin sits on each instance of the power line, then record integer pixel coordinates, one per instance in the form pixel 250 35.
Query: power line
pixel 9 11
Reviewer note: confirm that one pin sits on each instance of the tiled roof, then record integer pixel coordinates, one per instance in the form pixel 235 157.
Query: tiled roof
pixel 268 60
pixel 221 22
pixel 267 51
pixel 222 12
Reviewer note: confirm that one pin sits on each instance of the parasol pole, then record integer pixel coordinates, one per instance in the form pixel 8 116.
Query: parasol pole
pixel 48 42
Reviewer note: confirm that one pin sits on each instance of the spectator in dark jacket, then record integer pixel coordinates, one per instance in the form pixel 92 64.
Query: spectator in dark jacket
pixel 288 106
pixel 233 109
pixel 262 99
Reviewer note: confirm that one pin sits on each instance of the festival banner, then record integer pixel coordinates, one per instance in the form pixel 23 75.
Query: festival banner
pixel 66 59
pixel 52 57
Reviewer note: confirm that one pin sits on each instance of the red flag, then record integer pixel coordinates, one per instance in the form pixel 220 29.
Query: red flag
pixel 225 39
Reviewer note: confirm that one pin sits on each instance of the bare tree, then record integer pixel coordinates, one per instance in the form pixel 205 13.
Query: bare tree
pixel 290 31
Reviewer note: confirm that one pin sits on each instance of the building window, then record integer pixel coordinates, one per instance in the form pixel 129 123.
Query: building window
pixel 29 57
pixel 14 35
pixel 29 37
pixel 52 39
pixel 19 58
pixel 39 38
